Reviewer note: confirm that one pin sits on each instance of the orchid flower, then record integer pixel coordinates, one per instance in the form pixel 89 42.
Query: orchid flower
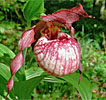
pixel 56 52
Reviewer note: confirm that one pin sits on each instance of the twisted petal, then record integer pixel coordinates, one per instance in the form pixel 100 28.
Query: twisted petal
pixel 16 63
pixel 9 85
pixel 27 39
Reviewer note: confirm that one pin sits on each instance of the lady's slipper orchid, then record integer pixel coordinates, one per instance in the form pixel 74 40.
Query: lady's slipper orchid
pixel 57 53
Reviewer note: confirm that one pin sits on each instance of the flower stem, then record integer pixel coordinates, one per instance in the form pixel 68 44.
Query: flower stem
pixel 25 57
pixel 28 24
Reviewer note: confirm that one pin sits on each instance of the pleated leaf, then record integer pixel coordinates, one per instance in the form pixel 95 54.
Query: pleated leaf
pixel 84 87
pixel 24 89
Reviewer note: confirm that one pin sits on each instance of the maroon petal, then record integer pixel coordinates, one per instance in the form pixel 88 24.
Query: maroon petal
pixel 16 63
pixel 37 29
pixel 30 35
pixel 27 39
pixel 80 69
pixel 72 30
pixel 9 86
pixel 67 16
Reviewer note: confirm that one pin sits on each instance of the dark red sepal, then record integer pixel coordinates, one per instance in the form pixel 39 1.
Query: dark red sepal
pixel 67 16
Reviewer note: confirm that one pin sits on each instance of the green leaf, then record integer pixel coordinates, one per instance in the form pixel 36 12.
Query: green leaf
pixel 31 73
pixel 1 54
pixel 6 50
pixel 1 18
pixel 23 89
pixel 84 87
pixel 5 71
pixel 33 8
pixel 54 79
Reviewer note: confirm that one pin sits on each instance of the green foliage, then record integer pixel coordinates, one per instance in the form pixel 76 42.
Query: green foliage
pixel 32 9
pixel 5 50
pixel 23 90
pixel 4 69
pixel 93 60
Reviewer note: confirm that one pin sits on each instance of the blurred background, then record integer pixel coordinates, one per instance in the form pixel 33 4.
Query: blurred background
pixel 91 34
